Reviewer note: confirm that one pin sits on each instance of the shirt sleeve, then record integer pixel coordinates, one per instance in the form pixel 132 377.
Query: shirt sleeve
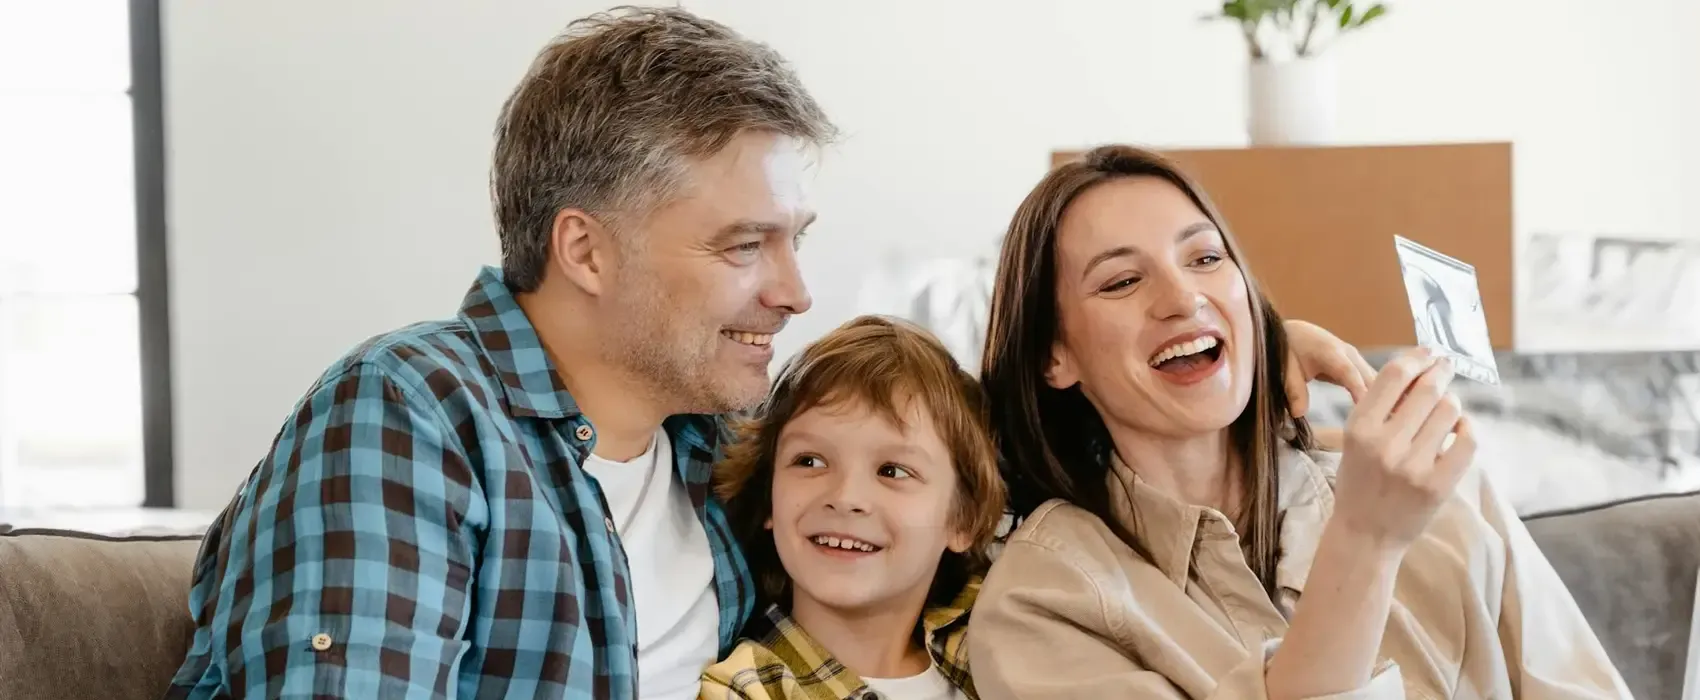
pixel 1050 637
pixel 345 568
pixel 1551 651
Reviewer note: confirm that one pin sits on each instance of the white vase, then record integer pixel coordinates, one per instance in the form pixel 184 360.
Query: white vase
pixel 1292 102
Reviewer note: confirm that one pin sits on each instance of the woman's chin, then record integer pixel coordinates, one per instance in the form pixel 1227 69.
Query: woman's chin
pixel 1208 414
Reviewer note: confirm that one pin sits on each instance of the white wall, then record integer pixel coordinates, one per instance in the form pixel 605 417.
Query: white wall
pixel 329 158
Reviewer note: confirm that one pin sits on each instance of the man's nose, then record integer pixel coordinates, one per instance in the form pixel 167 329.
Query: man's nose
pixel 785 289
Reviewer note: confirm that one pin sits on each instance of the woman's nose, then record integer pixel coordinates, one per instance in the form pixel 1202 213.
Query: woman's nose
pixel 1176 297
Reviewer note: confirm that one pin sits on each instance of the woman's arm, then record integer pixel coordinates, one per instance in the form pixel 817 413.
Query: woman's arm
pixel 1335 636
pixel 1407 444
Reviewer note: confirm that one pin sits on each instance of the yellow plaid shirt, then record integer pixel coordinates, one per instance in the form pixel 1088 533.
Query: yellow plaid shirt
pixel 777 660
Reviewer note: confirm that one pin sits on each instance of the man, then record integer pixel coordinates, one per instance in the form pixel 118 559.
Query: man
pixel 514 503
pixel 471 508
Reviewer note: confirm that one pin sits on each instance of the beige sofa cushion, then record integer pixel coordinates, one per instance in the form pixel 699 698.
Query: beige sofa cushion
pixel 89 616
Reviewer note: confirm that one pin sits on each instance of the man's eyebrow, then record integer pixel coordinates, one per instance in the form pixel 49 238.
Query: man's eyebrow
pixel 745 227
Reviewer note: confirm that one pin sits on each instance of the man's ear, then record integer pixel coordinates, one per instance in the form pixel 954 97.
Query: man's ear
pixel 1059 370
pixel 580 248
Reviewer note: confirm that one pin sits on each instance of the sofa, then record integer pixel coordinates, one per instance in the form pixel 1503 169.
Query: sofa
pixel 1597 453
pixel 85 616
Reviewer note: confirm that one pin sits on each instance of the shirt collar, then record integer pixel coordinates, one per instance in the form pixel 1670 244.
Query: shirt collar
pixel 1169 528
pixel 944 628
pixel 508 338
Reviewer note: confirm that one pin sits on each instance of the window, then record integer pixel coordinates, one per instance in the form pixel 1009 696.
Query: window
pixel 84 377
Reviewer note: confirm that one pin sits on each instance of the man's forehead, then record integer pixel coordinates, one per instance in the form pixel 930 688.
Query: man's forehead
pixel 754 182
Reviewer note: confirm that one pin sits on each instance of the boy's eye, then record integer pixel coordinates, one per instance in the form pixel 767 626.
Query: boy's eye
pixel 894 471
pixel 807 461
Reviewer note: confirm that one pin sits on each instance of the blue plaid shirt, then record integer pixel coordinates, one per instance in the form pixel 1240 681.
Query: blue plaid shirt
pixel 422 528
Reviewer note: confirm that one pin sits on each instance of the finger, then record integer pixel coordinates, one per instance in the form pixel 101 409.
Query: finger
pixel 1420 401
pixel 1457 458
pixel 1365 372
pixel 1298 388
pixel 1347 364
pixel 1431 438
pixel 1395 378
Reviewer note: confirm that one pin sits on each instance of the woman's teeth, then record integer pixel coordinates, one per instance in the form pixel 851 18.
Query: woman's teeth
pixel 1190 347
pixel 749 338
pixel 841 543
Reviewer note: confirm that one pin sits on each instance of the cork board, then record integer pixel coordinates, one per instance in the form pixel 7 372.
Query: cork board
pixel 1317 226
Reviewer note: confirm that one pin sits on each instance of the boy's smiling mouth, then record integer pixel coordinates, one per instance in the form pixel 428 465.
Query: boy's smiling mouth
pixel 844 543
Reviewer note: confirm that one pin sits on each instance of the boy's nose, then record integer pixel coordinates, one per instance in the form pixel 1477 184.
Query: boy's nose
pixel 849 495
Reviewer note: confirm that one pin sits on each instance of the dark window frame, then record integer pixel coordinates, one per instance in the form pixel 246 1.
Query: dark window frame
pixel 153 301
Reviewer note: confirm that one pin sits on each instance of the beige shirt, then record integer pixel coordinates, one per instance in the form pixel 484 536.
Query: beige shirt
pixel 1070 611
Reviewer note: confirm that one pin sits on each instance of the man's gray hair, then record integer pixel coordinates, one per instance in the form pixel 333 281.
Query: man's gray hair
pixel 610 111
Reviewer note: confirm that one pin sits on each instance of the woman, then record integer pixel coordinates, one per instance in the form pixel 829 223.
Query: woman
pixel 1181 534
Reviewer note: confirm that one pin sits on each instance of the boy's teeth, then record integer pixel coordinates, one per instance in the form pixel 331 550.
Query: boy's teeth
pixel 834 542
pixel 1191 347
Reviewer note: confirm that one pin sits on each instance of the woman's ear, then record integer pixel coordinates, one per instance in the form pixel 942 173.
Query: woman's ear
pixel 1060 372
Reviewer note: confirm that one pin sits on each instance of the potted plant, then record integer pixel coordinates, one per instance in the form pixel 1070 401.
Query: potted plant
pixel 1291 78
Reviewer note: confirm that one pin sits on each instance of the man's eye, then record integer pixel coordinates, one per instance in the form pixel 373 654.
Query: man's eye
pixel 748 248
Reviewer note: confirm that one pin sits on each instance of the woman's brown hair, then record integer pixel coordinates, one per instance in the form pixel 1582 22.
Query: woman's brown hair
pixel 881 363
pixel 1052 443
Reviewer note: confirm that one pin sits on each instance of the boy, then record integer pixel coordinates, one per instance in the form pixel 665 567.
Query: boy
pixel 865 493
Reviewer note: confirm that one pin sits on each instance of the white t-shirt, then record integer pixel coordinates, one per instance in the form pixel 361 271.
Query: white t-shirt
pixel 927 685
pixel 678 616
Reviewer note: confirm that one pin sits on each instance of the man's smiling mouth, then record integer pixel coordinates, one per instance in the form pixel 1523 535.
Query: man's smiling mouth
pixel 747 338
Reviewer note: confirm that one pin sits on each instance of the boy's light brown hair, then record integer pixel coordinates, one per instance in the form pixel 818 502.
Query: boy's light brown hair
pixel 882 363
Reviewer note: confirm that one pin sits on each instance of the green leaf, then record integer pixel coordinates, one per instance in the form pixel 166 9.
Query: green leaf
pixel 1346 18
pixel 1373 12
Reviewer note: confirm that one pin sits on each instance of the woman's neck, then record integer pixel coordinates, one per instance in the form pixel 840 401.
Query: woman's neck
pixel 1195 470
pixel 878 643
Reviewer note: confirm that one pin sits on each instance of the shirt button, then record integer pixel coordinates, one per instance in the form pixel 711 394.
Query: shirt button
pixel 321 641
pixel 608 522
pixel 583 432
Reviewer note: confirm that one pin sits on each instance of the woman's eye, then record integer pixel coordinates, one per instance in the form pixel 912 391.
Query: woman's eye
pixel 894 471
pixel 1207 260
pixel 1119 285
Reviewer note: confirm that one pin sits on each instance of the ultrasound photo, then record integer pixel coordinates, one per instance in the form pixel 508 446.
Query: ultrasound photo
pixel 1446 304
